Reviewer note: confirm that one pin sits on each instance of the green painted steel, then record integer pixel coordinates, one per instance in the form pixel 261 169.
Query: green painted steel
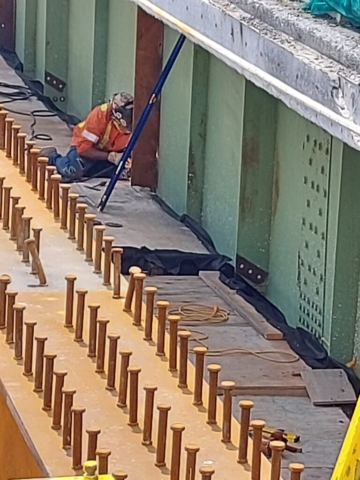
pixel 100 51
pixel 298 238
pixel 221 195
pixel 40 40
pixel 20 29
pixel 88 36
pixel 56 51
pixel 81 47
pixel 258 156
pixel 264 182
pixel 343 252
pixel 121 46
pixel 175 126
pixel 25 41
pixel 198 125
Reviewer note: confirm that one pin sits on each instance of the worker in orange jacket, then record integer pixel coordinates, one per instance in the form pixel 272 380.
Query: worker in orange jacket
pixel 98 142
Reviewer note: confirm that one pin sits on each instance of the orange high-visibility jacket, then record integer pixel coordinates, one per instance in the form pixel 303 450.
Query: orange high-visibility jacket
pixel 100 131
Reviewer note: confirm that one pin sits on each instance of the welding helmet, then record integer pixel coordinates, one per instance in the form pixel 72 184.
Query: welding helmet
pixel 122 108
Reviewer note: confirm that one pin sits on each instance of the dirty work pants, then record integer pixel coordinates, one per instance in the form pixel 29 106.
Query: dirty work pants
pixel 72 167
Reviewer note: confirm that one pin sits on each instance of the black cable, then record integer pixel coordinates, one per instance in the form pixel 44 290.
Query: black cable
pixel 15 93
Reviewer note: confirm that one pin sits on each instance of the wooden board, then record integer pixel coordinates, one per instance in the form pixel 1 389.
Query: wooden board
pixel 240 306
pixel 328 387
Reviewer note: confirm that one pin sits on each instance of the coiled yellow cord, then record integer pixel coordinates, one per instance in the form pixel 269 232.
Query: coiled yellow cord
pixel 197 313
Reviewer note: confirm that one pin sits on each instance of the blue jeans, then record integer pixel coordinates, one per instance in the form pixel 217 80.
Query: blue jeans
pixel 72 167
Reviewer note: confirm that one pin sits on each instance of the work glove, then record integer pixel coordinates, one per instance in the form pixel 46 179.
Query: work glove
pixel 114 158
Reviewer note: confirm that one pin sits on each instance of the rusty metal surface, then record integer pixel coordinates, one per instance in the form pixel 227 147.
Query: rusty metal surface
pixel 46 307
pixel 147 70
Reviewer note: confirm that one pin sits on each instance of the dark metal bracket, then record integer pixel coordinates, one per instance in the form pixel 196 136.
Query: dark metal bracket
pixel 55 82
pixel 250 271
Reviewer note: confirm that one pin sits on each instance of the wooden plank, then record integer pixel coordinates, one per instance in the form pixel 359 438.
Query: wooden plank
pixel 240 306
pixel 269 390
pixel 328 387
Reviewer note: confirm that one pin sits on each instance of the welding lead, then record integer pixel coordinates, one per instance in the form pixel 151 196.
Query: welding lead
pixel 276 453
pixel 10 302
pixel 174 326
pixel 131 288
pixel 103 460
pixel 99 237
pixel 100 361
pixel 245 408
pixel 19 325
pixel 77 413
pixel 39 364
pixel 5 280
pixel 21 142
pixel 133 395
pixel 162 433
pixel 81 209
pixel 116 254
pixel 200 353
pixel 257 427
pixel 15 130
pixel 67 418
pixel 139 285
pixel 58 399
pixel 108 241
pixel 93 434
pixel 150 293
pixel 73 197
pixel 227 411
pixel 29 348
pixel 69 301
pixel 80 310
pixel 65 189
pixel 213 370
pixel 94 309
pixel 113 343
pixel 184 336
pixel 124 376
pixel 191 453
pixel 162 307
pixel 148 414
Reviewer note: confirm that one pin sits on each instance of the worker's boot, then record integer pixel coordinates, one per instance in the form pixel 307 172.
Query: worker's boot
pixel 47 151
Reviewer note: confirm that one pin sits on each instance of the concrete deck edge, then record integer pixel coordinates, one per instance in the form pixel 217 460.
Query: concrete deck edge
pixel 316 87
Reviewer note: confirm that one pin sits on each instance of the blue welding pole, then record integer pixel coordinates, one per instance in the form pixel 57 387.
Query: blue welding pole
pixel 142 122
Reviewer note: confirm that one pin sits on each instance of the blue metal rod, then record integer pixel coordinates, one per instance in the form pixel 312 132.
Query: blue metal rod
pixel 142 122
